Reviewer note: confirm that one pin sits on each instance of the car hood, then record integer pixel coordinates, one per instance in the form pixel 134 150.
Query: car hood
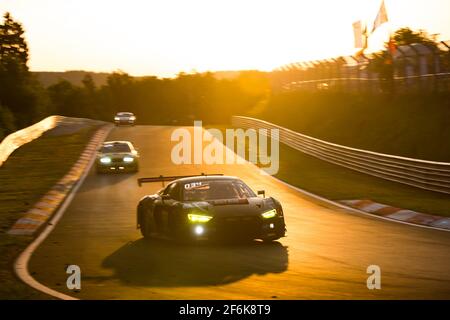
pixel 230 208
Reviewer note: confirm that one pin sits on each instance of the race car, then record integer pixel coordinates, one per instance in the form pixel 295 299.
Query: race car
pixel 209 207
pixel 117 156
pixel 124 118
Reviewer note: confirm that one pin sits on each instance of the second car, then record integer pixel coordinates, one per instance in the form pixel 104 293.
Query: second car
pixel 117 156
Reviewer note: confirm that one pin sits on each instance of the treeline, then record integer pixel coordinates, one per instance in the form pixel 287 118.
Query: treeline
pixel 160 101
pixel 21 97
pixel 24 100
pixel 413 124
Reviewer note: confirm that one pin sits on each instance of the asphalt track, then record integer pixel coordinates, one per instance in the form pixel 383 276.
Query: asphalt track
pixel 324 256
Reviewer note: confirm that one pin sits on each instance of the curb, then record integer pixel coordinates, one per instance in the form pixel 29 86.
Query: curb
pixel 399 214
pixel 356 210
pixel 65 196
pixel 37 216
pixel 439 226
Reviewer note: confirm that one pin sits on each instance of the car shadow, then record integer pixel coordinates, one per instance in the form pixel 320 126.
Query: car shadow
pixel 100 180
pixel 163 263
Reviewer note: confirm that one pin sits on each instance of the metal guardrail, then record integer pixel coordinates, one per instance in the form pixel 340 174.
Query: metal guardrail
pixel 21 137
pixel 428 175
pixel 362 79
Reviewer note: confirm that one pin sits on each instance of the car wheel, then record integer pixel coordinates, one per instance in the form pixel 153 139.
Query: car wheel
pixel 146 227
pixel 271 239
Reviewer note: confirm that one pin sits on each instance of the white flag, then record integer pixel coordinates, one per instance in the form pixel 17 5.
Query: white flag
pixel 381 18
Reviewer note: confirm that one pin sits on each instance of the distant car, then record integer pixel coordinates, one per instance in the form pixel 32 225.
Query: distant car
pixel 209 207
pixel 116 156
pixel 124 118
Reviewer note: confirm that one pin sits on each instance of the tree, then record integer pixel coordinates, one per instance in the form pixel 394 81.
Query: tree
pixel 383 62
pixel 89 96
pixel 19 91
pixel 13 47
pixel 6 122
pixel 67 99
pixel 119 88
pixel 406 36
pixel 88 84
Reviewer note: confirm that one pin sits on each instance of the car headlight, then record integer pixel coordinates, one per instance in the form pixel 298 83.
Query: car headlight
pixel 199 218
pixel 116 118
pixel 128 159
pixel 132 118
pixel 199 230
pixel 105 160
pixel 269 214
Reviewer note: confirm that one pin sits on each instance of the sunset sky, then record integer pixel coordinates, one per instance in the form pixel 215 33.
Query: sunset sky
pixel 164 37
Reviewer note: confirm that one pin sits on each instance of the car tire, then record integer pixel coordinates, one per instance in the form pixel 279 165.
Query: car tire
pixel 271 239
pixel 146 229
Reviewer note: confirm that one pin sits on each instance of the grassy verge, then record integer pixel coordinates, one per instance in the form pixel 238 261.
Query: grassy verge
pixel 25 177
pixel 339 183
pixel 411 125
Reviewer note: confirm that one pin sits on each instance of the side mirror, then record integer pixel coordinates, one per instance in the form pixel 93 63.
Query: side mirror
pixel 262 192
pixel 165 197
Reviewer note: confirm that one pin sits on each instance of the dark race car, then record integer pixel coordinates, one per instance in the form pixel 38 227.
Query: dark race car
pixel 209 207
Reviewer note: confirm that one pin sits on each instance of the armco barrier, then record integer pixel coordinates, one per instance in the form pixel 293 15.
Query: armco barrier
pixel 21 137
pixel 429 175
pixel 28 134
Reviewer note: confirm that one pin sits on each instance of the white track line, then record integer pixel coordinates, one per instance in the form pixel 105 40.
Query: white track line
pixel 21 264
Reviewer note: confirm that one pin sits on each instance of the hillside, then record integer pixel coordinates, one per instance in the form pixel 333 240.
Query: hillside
pixel 410 125
pixel 47 78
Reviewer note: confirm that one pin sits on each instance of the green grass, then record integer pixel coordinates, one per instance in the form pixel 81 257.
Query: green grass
pixel 24 178
pixel 338 183
pixel 411 125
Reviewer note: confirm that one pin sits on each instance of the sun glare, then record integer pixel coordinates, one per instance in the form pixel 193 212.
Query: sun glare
pixel 166 37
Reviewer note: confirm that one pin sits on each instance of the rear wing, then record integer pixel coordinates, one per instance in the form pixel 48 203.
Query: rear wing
pixel 171 178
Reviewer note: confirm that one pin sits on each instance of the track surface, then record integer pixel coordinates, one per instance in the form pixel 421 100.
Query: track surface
pixel 324 256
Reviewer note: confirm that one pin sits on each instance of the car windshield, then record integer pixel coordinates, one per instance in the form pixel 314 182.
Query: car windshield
pixel 125 114
pixel 115 147
pixel 216 190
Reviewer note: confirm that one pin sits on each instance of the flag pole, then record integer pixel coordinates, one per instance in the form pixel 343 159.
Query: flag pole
pixel 391 44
